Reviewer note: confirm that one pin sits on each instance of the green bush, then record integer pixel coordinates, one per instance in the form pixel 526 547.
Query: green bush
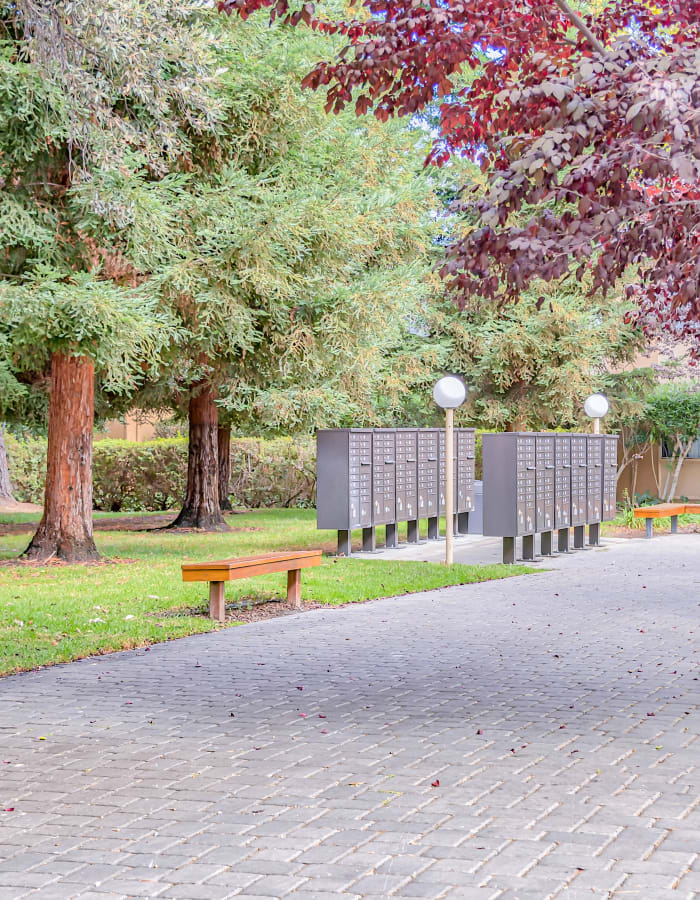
pixel 26 460
pixel 133 476
pixel 139 475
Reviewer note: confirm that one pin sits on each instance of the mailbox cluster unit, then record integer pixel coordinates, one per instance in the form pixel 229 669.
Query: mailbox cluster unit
pixel 382 476
pixel 536 483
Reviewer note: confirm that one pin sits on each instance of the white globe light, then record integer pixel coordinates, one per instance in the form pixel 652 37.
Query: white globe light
pixel 449 392
pixel 596 406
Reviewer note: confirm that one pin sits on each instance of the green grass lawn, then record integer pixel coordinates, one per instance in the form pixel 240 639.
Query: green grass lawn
pixel 56 613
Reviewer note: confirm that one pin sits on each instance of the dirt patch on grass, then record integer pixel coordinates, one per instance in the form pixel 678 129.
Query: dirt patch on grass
pixel 118 523
pixel 21 563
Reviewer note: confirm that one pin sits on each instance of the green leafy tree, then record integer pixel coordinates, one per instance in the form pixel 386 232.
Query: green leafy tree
pixel 291 264
pixel 530 366
pixel 673 411
pixel 90 95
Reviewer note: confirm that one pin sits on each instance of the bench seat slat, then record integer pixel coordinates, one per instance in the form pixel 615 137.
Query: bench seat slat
pixel 251 569
pixel 660 511
pixel 242 561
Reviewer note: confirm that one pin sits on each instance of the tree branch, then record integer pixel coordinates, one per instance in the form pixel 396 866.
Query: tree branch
pixel 579 24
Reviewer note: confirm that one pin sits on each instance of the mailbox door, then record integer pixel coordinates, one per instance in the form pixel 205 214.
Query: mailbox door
pixel 609 478
pixel 594 479
pixel 466 459
pixel 579 508
pixel 360 473
pixel 406 474
pixel 544 476
pixel 427 473
pixel 443 472
pixel 384 476
pixel 526 481
pixel 562 481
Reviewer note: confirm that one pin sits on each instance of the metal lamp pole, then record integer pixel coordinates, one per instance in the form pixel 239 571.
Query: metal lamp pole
pixel 449 393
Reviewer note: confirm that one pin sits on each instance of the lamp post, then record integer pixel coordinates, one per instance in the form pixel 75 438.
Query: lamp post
pixel 449 393
pixel 596 406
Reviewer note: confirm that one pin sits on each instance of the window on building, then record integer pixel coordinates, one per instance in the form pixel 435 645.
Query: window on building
pixel 666 450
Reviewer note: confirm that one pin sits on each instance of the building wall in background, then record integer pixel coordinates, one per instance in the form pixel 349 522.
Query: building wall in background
pixel 688 482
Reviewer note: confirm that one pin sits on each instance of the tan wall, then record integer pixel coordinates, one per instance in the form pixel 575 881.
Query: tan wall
pixel 688 482
pixel 133 428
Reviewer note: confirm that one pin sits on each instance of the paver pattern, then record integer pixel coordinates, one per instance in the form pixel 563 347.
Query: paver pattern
pixel 529 738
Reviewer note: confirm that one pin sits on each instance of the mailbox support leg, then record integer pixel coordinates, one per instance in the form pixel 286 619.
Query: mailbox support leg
pixel 463 522
pixel 412 535
pixel 433 529
pixel 344 543
pixel 579 537
pixel 528 546
pixel 546 543
pixel 369 540
pixel 674 524
pixel 650 528
pixel 392 536
pixel 508 551
pixel 594 534
pixel 563 542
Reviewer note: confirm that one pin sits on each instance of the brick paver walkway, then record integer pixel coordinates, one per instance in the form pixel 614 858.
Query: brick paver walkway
pixel 530 738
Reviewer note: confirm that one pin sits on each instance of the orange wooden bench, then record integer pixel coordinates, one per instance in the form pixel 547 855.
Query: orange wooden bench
pixel 663 511
pixel 219 572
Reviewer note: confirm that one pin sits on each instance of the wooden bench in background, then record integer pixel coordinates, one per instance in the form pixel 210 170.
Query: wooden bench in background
pixel 663 511
pixel 223 570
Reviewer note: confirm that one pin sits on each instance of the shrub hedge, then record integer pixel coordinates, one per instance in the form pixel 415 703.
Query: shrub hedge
pixel 134 476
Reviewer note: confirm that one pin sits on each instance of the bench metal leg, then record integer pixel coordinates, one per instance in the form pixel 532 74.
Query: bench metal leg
pixel 674 524
pixel 546 543
pixel 369 540
pixel 650 528
pixel 392 538
pixel 528 546
pixel 579 537
pixel 563 541
pixel 217 601
pixel 594 534
pixel 344 543
pixel 294 588
pixel 433 529
pixel 508 551
pixel 412 531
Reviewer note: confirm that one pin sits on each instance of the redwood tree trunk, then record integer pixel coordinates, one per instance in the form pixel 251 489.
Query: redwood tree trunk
pixel 65 531
pixel 224 450
pixel 201 508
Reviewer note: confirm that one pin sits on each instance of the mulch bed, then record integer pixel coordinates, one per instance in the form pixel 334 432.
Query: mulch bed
pixel 620 531
pixel 121 523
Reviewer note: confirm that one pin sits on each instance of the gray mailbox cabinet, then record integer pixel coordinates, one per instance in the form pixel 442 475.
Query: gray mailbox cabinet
pixel 609 477
pixel 509 463
pixel 344 479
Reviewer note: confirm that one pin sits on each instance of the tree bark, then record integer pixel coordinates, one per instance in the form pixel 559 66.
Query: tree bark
pixel 683 453
pixel 65 530
pixel 201 508
pixel 5 483
pixel 224 451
